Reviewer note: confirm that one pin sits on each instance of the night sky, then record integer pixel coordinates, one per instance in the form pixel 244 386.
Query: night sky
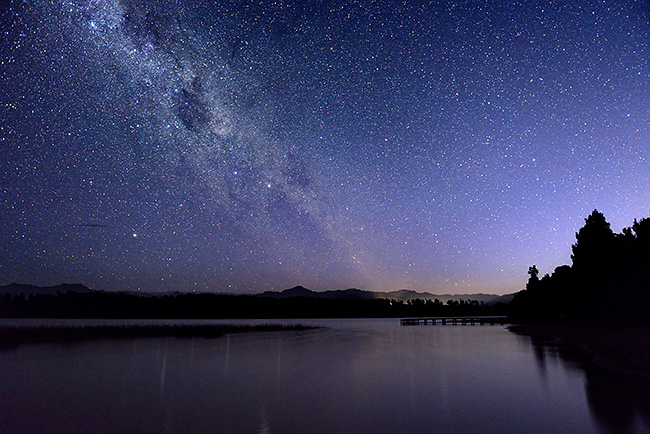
pixel 244 146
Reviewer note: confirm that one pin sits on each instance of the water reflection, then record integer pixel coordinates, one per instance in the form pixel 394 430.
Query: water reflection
pixel 355 376
pixel 618 402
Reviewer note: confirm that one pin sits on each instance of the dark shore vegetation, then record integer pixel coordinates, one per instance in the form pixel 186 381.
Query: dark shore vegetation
pixel 72 304
pixel 608 282
pixel 13 336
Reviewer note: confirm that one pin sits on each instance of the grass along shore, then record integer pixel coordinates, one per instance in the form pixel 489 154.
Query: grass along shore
pixel 13 336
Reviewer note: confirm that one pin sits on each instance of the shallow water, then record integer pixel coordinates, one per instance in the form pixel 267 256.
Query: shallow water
pixel 361 376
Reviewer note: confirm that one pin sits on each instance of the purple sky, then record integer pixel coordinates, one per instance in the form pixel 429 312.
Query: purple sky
pixel 435 146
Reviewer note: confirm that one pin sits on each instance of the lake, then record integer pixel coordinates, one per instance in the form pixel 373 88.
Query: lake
pixel 359 376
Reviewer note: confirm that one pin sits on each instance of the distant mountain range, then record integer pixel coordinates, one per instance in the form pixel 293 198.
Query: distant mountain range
pixel 297 291
pixel 20 288
pixel 402 294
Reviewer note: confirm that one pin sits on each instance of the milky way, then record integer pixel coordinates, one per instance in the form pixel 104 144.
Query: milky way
pixel 244 146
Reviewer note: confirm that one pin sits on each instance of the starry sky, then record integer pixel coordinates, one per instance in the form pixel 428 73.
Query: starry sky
pixel 244 146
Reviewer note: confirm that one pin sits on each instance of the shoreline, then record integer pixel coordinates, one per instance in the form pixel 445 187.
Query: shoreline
pixel 13 336
pixel 621 349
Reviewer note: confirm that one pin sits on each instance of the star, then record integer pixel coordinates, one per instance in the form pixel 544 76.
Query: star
pixel 442 147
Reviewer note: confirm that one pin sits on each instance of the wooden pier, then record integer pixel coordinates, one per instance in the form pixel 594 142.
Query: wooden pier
pixel 458 320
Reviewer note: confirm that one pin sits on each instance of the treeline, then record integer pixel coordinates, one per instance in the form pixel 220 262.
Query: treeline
pixel 120 305
pixel 608 281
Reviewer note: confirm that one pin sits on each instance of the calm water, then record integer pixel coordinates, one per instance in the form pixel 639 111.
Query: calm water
pixel 360 376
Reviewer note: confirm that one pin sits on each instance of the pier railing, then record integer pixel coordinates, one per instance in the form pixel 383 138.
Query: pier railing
pixel 458 320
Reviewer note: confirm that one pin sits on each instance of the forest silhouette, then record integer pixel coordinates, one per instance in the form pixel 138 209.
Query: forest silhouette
pixel 608 281
pixel 95 304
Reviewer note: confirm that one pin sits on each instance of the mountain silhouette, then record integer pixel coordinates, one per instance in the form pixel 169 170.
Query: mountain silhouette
pixel 401 295
pixel 21 288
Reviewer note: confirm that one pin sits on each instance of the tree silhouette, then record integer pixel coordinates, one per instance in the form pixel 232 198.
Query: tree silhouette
pixel 608 281
pixel 594 243
pixel 533 280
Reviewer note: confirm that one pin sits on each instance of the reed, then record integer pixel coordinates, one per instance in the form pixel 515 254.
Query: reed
pixel 13 336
